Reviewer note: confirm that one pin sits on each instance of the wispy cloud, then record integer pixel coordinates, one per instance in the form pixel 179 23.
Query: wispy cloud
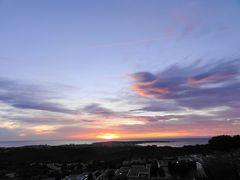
pixel 97 109
pixel 30 96
pixel 194 86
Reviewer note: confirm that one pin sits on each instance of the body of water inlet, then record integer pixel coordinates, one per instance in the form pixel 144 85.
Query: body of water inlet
pixel 179 142
pixel 174 142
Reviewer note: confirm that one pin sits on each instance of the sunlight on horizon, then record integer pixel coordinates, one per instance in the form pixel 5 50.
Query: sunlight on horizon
pixel 108 136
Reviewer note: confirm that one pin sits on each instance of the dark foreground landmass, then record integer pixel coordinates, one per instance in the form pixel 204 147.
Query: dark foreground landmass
pixel 217 160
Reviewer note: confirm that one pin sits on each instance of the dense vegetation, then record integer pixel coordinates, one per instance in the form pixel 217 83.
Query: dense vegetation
pixel 225 143
pixel 69 153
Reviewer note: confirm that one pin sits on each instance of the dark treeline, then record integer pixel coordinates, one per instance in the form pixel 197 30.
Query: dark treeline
pixel 225 142
pixel 86 153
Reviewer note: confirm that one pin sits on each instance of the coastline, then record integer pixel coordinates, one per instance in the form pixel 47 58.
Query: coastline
pixel 174 142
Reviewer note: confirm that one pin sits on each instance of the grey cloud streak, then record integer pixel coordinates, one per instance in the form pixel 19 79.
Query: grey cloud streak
pixel 196 86
pixel 28 96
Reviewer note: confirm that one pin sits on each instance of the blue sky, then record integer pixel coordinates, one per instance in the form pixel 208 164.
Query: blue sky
pixel 73 61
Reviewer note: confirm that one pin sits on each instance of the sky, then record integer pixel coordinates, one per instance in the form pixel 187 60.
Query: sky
pixel 119 69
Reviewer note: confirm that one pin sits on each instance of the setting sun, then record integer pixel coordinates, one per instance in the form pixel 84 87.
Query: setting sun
pixel 108 136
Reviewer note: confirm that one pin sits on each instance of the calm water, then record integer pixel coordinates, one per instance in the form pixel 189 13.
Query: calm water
pixel 175 142
pixel 179 142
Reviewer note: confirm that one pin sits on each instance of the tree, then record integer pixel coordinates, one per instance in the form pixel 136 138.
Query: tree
pixel 228 144
pixel 225 142
pixel 222 143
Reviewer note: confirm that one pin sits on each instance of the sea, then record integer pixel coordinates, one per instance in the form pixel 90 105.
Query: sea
pixel 174 142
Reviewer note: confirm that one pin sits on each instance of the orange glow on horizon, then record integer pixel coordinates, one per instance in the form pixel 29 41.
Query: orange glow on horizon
pixel 154 135
pixel 122 135
pixel 107 136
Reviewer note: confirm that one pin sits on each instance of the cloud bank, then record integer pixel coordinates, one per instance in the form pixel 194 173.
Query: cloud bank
pixel 195 86
pixel 194 100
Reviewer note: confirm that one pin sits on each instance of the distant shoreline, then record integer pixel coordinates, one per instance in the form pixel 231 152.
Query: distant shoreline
pixel 130 142
pixel 175 142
